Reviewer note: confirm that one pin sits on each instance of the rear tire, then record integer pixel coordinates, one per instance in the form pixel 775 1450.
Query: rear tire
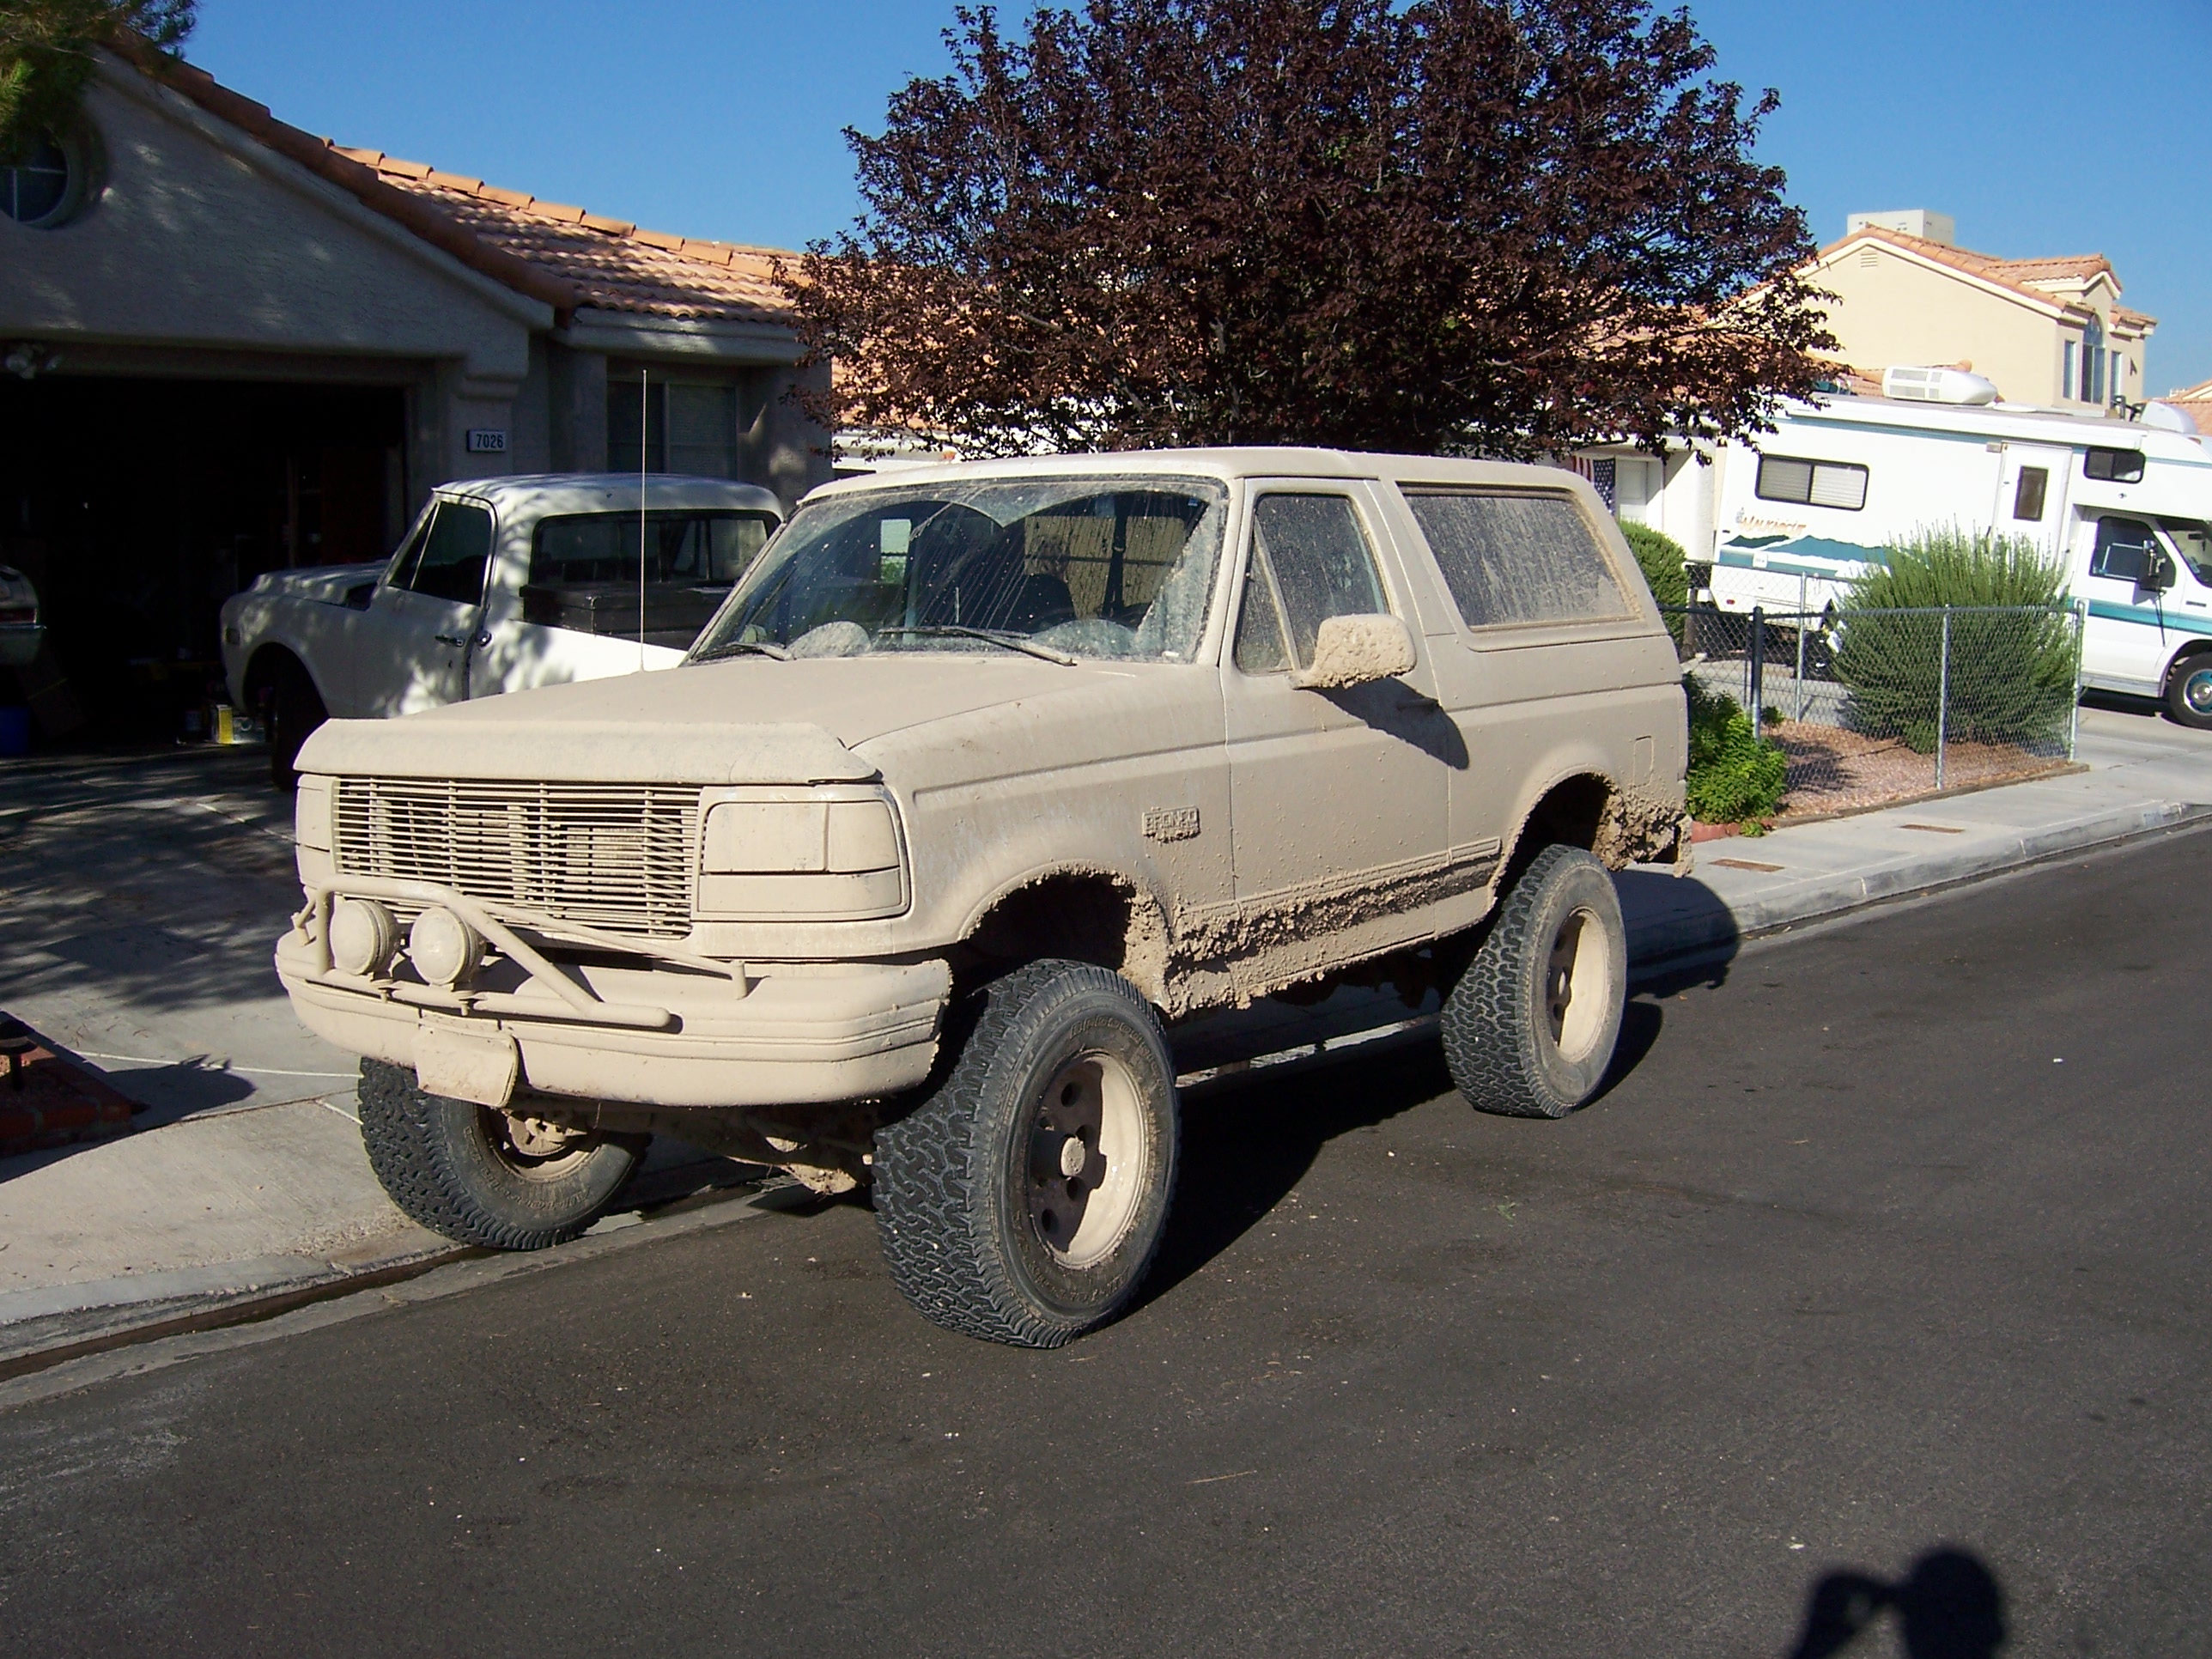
pixel 2189 692
pixel 1529 1030
pixel 295 709
pixel 461 1170
pixel 1024 1199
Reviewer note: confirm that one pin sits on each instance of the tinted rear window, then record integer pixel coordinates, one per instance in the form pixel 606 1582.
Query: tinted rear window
pixel 1517 559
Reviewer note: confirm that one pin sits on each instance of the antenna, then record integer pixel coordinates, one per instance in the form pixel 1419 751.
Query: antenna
pixel 644 453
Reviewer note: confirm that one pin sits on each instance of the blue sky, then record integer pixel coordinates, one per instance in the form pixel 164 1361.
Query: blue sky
pixel 2041 128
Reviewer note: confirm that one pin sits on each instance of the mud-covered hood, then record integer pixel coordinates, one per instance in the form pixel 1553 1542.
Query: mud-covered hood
pixel 751 721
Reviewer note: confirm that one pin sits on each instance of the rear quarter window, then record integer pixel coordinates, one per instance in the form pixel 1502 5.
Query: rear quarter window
pixel 1514 560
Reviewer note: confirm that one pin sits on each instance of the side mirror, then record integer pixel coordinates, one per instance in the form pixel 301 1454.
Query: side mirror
pixel 1352 651
pixel 2158 569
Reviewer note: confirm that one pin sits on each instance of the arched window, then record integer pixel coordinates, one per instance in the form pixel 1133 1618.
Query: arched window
pixel 34 181
pixel 2093 362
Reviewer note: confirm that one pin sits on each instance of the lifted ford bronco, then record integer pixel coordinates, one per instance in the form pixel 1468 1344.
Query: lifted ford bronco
pixel 983 775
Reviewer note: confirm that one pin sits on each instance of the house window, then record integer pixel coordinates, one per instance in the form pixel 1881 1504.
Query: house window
pixel 672 426
pixel 2027 494
pixel 34 182
pixel 2066 373
pixel 1812 484
pixel 2092 363
pixel 2118 391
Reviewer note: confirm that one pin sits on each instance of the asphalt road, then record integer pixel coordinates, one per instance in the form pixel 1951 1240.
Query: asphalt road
pixel 1876 1289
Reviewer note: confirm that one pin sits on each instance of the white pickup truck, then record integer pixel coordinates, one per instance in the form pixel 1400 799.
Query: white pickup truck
pixel 501 584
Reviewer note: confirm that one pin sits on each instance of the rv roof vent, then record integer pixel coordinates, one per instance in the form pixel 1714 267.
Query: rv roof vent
pixel 1937 386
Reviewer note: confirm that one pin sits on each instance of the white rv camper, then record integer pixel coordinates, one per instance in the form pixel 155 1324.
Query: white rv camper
pixel 2126 504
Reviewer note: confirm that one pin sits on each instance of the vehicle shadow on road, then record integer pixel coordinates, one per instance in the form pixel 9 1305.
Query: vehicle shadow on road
pixel 1949 1605
pixel 1247 1143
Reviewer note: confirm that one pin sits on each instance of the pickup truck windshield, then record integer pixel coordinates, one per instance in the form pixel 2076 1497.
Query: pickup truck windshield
pixel 1106 567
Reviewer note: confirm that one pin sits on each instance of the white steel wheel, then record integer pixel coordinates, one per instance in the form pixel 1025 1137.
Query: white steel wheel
pixel 1530 1028
pixel 1023 1199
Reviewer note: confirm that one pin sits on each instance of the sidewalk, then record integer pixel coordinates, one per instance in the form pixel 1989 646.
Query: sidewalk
pixel 142 897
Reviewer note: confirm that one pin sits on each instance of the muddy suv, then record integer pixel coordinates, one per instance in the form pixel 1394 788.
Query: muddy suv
pixel 984 776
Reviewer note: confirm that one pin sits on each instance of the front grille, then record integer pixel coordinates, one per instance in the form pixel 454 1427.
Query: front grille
pixel 617 856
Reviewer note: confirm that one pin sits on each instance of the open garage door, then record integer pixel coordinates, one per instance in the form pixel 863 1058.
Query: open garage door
pixel 138 506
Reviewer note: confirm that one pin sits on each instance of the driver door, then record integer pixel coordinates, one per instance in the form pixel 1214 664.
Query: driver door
pixel 1334 794
pixel 2124 647
pixel 411 649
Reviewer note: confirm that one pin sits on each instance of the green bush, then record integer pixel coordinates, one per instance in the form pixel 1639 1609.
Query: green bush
pixel 2011 677
pixel 1661 558
pixel 1735 774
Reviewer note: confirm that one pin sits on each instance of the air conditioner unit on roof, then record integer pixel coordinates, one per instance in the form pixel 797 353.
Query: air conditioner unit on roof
pixel 1937 386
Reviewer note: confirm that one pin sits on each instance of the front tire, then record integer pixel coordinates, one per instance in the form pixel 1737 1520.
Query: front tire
pixel 295 709
pixel 1529 1030
pixel 1023 1201
pixel 2189 692
pixel 480 1177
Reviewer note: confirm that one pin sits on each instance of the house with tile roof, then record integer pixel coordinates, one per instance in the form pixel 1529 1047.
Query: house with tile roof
pixel 2046 331
pixel 232 346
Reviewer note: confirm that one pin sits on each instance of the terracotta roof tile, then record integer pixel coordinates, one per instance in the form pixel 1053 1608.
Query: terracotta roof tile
pixel 551 252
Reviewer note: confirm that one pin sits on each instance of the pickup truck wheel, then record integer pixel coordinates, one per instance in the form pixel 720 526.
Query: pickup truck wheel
pixel 295 709
pixel 1530 1028
pixel 480 1177
pixel 2189 691
pixel 1023 1201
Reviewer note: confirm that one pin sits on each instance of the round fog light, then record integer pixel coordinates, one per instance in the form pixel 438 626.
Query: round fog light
pixel 444 949
pixel 364 937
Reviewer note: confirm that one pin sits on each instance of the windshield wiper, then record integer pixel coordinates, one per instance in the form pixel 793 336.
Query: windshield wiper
pixel 730 648
pixel 1012 640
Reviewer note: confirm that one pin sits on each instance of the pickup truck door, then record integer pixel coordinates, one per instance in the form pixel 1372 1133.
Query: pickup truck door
pixel 1335 797
pixel 410 650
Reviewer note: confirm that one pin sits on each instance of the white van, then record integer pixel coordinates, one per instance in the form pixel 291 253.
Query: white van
pixel 2126 504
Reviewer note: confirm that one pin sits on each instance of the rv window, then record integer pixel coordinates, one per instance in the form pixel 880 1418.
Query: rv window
pixel 1517 559
pixel 2027 494
pixel 2124 547
pixel 2193 541
pixel 2113 465
pixel 1812 484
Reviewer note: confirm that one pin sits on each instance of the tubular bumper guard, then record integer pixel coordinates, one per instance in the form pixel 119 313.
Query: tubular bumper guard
pixel 679 1030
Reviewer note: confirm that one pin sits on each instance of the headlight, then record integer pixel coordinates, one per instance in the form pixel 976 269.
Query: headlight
pixel 800 855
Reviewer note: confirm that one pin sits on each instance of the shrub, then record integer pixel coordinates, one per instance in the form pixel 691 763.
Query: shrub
pixel 2011 677
pixel 1735 774
pixel 1661 559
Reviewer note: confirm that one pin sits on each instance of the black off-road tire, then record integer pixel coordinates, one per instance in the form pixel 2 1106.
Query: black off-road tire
pixel 977 1233
pixel 446 1164
pixel 1510 1049
pixel 2189 692
pixel 294 710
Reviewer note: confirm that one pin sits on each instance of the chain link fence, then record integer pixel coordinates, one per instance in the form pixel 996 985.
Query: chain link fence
pixel 1874 706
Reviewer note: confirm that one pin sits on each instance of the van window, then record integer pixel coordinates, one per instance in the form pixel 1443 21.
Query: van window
pixel 2193 541
pixel 1812 484
pixel 2027 494
pixel 1517 559
pixel 2113 465
pixel 2124 547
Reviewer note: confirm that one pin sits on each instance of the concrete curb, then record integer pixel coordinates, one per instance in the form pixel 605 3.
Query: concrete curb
pixel 1665 935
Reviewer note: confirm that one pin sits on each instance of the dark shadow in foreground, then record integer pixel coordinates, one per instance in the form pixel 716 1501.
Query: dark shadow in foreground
pixel 1950 1605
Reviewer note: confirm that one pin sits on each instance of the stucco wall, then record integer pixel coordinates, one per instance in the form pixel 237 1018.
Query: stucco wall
pixel 1900 312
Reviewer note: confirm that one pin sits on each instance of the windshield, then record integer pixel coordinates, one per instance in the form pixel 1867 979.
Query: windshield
pixel 1106 567
pixel 2193 541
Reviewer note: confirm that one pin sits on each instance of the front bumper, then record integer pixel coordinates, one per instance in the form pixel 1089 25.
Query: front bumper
pixel 660 1033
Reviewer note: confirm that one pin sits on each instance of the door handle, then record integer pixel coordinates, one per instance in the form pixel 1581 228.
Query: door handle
pixel 450 639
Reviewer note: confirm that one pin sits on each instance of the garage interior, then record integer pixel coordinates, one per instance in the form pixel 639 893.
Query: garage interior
pixel 138 506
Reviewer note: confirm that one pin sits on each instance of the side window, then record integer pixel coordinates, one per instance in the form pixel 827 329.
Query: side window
pixel 1260 625
pixel 2029 492
pixel 451 564
pixel 1517 559
pixel 2113 465
pixel 2122 549
pixel 1812 484
pixel 1313 548
pixel 400 573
